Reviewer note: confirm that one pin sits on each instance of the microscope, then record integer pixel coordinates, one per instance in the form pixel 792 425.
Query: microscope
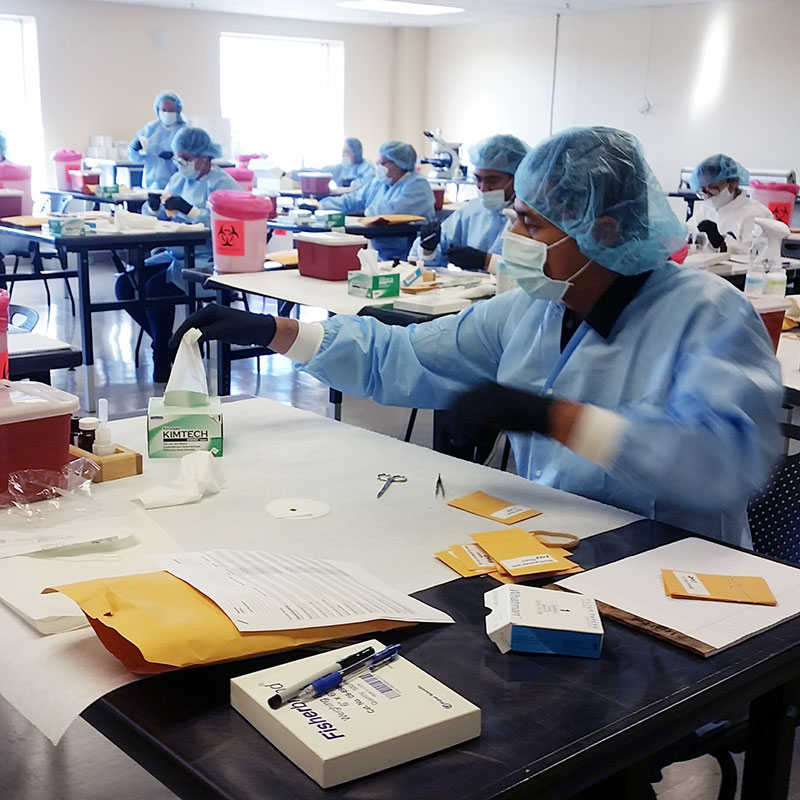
pixel 445 159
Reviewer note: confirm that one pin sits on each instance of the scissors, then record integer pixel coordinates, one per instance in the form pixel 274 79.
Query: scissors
pixel 390 479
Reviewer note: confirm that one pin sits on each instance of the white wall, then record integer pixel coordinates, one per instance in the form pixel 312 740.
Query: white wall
pixel 100 69
pixel 743 99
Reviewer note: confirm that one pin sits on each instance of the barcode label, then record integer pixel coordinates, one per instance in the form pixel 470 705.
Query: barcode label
pixel 377 683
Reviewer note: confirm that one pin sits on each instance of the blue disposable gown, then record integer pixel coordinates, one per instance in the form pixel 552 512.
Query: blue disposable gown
pixel 473 225
pixel 157 171
pixel 412 194
pixel 194 191
pixel 351 174
pixel 688 365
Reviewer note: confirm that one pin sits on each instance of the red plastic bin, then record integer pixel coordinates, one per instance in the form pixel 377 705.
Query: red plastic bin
pixel 34 427
pixel 771 310
pixel 316 183
pixel 329 256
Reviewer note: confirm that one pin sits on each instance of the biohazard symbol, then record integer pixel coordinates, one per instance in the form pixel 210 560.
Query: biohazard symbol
pixel 229 237
pixel 781 211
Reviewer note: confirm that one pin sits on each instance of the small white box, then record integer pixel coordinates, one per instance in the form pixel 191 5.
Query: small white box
pixel 531 620
pixel 434 302
pixel 174 431
pixel 373 721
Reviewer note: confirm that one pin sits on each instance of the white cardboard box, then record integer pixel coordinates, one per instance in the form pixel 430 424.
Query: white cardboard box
pixel 531 620
pixel 371 722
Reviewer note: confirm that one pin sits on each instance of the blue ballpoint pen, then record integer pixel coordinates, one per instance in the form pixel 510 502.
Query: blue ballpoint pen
pixel 335 679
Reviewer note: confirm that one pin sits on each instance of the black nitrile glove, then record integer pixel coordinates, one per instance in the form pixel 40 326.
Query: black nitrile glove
pixel 154 201
pixel 715 238
pixel 228 325
pixel 492 407
pixel 166 154
pixel 430 235
pixel 137 145
pixel 467 258
pixel 308 206
pixel 345 182
pixel 176 203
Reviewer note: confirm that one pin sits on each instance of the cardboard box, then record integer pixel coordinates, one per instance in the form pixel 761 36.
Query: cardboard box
pixel 174 431
pixel 373 721
pixel 361 284
pixel 530 620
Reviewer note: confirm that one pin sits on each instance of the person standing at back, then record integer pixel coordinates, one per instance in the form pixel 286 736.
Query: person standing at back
pixel 151 145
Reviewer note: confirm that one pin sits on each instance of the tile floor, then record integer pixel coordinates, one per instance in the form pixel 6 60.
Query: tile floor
pixel 86 766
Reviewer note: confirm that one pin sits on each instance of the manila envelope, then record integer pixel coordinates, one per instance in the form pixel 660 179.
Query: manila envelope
pixel 519 553
pixel 154 622
pixel 467 560
pixel 493 508
pixel 728 588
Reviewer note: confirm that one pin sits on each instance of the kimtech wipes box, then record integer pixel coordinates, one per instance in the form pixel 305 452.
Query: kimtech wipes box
pixel 174 431
pixel 530 620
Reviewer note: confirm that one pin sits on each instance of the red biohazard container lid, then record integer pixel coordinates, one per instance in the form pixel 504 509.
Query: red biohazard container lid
pixel 67 155
pixel 238 205
pixel 14 172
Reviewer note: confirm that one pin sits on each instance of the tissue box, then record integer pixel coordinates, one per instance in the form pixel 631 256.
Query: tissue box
pixel 530 620
pixel 361 284
pixel 66 225
pixel 174 431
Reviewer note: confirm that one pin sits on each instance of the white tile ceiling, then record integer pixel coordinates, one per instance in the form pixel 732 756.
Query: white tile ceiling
pixel 475 10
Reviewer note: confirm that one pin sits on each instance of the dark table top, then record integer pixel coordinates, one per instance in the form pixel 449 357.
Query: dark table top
pixel 552 725
pixel 367 231
pixel 104 241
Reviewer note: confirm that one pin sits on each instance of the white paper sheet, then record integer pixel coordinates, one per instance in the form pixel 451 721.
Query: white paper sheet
pixel 21 542
pixel 22 578
pixel 272 592
pixel 635 585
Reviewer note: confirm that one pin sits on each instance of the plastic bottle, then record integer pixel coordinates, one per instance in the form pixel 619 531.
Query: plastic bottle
pixel 776 282
pixel 87 426
pixel 755 282
pixel 103 443
pixel 4 300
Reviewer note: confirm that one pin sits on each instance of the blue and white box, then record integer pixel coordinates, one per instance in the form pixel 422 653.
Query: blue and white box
pixel 530 620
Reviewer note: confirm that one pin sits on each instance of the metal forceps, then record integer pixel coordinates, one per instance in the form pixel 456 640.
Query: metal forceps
pixel 390 479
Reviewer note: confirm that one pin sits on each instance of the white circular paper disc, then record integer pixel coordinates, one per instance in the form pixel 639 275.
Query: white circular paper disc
pixel 296 508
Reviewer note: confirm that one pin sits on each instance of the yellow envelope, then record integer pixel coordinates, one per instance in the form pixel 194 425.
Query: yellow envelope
pixel 493 508
pixel 504 577
pixel 288 258
pixel 391 219
pixel 466 559
pixel 519 553
pixel 728 588
pixel 155 622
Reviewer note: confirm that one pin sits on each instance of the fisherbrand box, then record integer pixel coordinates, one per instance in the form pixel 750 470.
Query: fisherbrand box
pixel 174 431
pixel 531 620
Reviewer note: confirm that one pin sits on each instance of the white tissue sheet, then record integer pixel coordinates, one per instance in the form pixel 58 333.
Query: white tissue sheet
pixel 187 384
pixel 199 475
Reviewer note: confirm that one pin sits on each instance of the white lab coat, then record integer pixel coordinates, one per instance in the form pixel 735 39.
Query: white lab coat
pixel 736 218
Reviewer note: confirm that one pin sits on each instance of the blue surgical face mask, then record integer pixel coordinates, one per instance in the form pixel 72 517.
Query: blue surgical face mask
pixel 381 172
pixel 525 258
pixel 187 168
pixel 168 118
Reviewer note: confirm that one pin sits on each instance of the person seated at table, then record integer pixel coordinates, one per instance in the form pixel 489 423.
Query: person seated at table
pixel 621 376
pixel 726 214
pixel 353 170
pixel 469 236
pixel 396 189
pixel 152 144
pixel 185 199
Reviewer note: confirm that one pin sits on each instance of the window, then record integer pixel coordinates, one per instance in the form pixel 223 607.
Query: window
pixel 284 97
pixel 21 116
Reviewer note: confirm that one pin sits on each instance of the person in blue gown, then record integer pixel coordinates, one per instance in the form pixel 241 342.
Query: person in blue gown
pixel 152 145
pixel 470 235
pixel 353 170
pixel 396 189
pixel 619 375
pixel 185 199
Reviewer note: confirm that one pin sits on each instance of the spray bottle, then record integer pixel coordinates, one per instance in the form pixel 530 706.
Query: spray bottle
pixel 774 232
pixel 4 301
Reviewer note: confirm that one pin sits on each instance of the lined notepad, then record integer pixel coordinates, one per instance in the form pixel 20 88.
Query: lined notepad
pixel 634 585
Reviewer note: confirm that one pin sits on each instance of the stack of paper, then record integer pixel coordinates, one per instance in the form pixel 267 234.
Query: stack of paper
pixel 509 556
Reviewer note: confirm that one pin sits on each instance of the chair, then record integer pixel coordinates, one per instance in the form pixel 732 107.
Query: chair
pixel 35 255
pixel 774 517
pixel 22 317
